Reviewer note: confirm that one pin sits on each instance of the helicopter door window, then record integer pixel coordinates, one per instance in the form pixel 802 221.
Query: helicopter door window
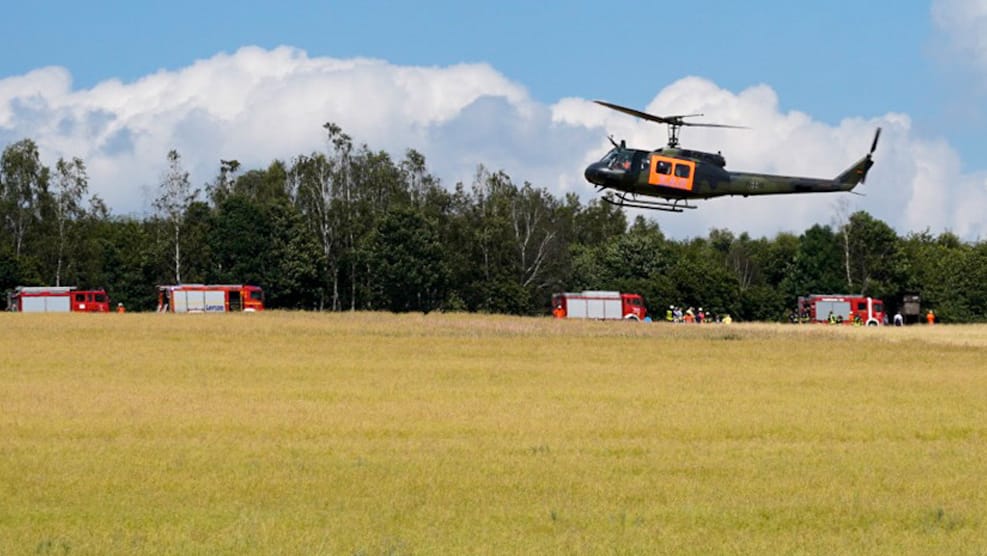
pixel 670 172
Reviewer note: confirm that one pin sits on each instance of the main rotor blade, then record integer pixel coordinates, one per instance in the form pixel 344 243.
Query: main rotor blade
pixel 714 125
pixel 670 120
pixel 642 115
pixel 877 135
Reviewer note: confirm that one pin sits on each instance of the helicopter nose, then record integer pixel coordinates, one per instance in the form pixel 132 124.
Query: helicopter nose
pixel 594 174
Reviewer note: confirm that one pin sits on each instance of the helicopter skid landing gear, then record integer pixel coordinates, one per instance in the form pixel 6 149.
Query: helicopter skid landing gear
pixel 678 205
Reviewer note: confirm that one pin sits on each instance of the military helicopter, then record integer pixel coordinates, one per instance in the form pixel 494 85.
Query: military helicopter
pixel 675 175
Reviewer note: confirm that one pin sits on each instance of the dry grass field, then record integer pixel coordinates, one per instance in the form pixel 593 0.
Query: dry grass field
pixel 309 433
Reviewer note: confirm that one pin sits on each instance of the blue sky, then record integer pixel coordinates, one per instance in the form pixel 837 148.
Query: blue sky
pixel 830 61
pixel 829 58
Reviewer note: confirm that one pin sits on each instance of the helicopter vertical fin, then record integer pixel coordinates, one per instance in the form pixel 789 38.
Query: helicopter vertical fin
pixel 857 173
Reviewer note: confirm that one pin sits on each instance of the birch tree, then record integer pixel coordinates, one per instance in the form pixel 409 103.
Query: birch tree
pixel 70 184
pixel 23 182
pixel 175 196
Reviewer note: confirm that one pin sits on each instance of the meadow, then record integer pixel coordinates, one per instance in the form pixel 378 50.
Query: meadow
pixel 373 433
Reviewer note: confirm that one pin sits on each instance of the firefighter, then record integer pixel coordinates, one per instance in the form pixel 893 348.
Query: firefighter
pixel 930 317
pixel 558 312
pixel 669 314
pixel 120 308
pixel 831 318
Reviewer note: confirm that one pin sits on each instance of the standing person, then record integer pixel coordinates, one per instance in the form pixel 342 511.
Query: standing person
pixel 120 308
pixel 670 314
pixel 930 317
pixel 558 312
pixel 700 316
pixel 898 319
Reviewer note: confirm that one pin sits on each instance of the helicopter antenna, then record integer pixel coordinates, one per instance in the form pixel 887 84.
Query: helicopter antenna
pixel 674 123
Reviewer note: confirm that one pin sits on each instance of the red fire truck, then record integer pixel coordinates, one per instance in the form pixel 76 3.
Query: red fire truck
pixel 844 308
pixel 599 305
pixel 202 298
pixel 64 299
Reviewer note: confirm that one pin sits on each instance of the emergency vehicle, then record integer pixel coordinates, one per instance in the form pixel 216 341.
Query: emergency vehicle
pixel 203 298
pixel 57 299
pixel 601 305
pixel 844 308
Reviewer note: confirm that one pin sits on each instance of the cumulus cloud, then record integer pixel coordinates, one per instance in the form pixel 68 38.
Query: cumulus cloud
pixel 256 105
pixel 964 22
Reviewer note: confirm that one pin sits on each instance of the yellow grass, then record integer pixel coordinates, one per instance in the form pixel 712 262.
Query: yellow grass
pixel 383 434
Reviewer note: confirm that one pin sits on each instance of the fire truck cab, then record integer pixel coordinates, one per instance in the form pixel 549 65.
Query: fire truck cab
pixel 60 299
pixel 845 309
pixel 203 298
pixel 601 305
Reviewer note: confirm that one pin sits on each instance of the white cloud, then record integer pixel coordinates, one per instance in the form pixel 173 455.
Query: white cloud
pixel 964 22
pixel 256 105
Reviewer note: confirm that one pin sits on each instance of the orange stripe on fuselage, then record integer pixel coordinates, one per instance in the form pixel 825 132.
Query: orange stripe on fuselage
pixel 671 179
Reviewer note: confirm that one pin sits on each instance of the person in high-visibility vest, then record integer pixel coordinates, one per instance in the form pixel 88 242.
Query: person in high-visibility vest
pixel 930 317
pixel 558 312
pixel 120 308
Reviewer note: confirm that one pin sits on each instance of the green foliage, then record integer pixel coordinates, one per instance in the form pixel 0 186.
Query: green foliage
pixel 351 228
pixel 406 259
pixel 818 265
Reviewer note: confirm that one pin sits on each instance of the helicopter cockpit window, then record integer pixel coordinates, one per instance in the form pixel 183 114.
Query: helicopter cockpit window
pixel 681 171
pixel 621 161
pixel 663 167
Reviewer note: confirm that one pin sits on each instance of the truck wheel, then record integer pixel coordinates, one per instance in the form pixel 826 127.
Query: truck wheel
pixel 872 322
pixel 631 317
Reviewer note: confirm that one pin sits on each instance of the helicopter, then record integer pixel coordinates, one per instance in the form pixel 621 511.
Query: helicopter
pixel 674 175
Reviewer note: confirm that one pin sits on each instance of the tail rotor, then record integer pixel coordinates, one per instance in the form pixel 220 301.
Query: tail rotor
pixel 873 147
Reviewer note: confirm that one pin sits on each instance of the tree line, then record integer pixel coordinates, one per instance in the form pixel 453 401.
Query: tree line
pixel 350 228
